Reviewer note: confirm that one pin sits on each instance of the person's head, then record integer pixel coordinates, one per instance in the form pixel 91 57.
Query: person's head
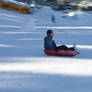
pixel 50 33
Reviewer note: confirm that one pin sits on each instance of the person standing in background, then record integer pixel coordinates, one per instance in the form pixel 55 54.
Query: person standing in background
pixel 53 19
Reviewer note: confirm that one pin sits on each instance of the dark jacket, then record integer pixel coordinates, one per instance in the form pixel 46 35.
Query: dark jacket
pixel 49 44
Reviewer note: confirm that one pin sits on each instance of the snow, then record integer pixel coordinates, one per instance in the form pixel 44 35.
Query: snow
pixel 16 2
pixel 24 66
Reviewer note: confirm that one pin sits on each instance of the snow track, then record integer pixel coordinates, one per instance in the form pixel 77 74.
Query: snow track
pixel 43 27
pixel 3 26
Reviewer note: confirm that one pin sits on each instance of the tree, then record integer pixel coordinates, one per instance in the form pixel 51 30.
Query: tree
pixel 51 1
pixel 63 1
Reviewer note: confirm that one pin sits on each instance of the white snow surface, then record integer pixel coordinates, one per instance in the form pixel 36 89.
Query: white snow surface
pixel 16 2
pixel 23 65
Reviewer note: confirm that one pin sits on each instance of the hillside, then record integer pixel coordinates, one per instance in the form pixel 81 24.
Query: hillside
pixel 23 65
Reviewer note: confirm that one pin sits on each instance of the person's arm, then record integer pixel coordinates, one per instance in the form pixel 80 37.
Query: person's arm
pixel 51 44
pixel 49 41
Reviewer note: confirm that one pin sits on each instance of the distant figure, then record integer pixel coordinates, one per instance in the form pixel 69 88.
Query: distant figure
pixel 53 19
pixel 49 43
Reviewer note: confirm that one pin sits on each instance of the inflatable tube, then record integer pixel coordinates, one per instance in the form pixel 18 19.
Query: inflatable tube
pixel 67 53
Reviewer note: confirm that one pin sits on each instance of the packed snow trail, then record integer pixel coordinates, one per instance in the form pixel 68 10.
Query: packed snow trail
pixel 23 64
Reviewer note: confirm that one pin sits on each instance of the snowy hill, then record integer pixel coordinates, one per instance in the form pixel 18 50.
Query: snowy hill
pixel 24 66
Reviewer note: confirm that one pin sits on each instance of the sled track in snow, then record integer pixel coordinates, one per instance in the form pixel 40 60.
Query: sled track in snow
pixel 7 26
pixel 44 27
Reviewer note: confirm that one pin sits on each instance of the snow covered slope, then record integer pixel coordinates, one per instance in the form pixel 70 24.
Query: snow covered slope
pixel 23 65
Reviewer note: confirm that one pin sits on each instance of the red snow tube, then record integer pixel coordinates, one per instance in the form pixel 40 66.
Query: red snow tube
pixel 67 53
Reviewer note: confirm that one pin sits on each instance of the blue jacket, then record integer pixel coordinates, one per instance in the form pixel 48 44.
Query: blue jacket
pixel 49 44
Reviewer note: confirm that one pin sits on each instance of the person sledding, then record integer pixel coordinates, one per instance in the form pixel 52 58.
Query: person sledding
pixel 52 49
pixel 49 43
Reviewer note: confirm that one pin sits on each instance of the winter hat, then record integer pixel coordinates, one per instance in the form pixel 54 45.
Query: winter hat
pixel 49 32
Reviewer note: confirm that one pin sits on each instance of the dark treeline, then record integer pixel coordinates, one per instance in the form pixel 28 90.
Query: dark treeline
pixel 48 2
pixel 44 1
